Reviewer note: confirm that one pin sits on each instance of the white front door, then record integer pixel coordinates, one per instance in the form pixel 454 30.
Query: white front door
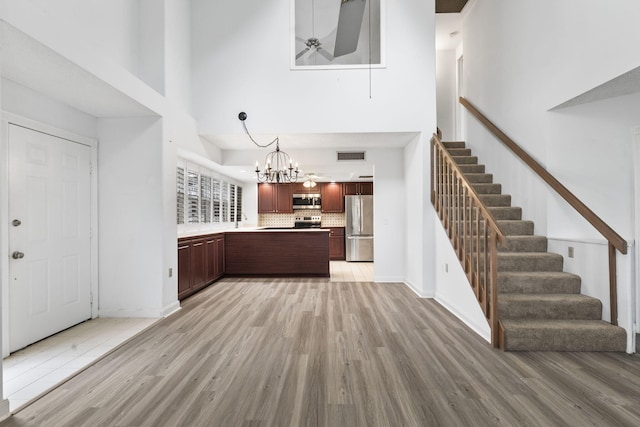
pixel 49 235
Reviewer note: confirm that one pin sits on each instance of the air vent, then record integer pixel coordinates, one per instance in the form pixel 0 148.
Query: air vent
pixel 351 155
pixel 365 177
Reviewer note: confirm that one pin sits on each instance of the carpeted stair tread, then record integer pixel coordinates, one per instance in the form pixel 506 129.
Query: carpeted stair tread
pixel 471 168
pixel 479 178
pixel 459 152
pixel 487 188
pixel 515 243
pixel 495 199
pixel 529 261
pixel 549 306
pixel 563 335
pixel 465 160
pixel 540 282
pixel 505 212
pixel 453 144
pixel 524 243
pixel 516 227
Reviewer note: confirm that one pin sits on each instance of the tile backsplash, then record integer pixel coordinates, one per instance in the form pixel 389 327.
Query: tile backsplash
pixel 288 219
pixel 276 220
pixel 333 220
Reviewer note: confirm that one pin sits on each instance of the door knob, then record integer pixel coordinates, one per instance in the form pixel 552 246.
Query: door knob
pixel 17 255
pixel 16 222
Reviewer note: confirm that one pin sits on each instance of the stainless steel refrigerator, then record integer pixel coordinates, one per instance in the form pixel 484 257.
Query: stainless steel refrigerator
pixel 359 228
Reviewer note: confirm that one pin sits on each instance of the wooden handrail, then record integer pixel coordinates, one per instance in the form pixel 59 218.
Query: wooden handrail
pixel 615 241
pixel 607 232
pixel 472 229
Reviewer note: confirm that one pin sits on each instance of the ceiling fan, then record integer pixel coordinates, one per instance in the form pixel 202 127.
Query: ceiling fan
pixel 313 45
pixel 342 40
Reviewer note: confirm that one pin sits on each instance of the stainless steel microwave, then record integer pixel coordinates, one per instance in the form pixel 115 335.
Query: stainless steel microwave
pixel 306 201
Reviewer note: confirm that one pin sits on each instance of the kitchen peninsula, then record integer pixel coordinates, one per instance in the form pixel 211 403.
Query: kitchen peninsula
pixel 277 252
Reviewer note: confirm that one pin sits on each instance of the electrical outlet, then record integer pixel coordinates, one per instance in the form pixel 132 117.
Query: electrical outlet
pixel 170 272
pixel 570 252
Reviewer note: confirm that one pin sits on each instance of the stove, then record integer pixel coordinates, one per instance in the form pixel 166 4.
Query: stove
pixel 313 221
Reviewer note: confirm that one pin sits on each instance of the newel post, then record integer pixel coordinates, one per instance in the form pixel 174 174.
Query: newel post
pixel 613 285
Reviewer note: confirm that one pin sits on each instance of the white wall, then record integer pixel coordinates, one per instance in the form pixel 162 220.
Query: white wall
pixel 110 28
pixel 178 53
pixel 151 43
pixel 389 243
pixel 418 214
pixel 132 223
pixel 240 62
pixel 453 290
pixel 22 101
pixel 515 71
pixel 446 93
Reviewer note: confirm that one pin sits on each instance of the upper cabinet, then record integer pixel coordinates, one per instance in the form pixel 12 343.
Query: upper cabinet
pixel 332 197
pixel 358 188
pixel 275 198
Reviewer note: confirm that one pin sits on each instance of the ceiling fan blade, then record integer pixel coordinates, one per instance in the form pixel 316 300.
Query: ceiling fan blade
pixel 302 52
pixel 349 24
pixel 326 54
pixel 301 40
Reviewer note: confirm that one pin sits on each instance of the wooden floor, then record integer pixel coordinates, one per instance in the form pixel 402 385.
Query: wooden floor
pixel 321 353
pixel 343 271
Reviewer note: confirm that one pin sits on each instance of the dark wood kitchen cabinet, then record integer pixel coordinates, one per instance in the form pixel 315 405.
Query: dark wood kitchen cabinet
pixel 336 243
pixel 200 262
pixel 332 197
pixel 358 188
pixel 275 198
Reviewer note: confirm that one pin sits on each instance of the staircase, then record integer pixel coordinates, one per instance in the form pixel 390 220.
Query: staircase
pixel 540 307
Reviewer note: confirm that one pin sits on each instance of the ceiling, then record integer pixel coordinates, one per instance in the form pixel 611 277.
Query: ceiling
pixel 450 6
pixel 316 152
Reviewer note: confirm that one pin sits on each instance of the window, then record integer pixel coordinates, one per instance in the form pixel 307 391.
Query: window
pixel 225 201
pixel 201 198
pixel 216 201
pixel 232 202
pixel 180 194
pixel 239 204
pixel 205 199
pixel 193 196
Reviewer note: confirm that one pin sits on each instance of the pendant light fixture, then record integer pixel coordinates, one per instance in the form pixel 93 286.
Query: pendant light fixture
pixel 278 164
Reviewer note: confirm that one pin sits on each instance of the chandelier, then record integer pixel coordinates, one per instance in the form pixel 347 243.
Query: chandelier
pixel 278 164
pixel 278 168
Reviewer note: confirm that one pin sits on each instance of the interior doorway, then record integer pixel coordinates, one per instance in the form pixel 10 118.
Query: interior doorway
pixel 460 131
pixel 49 234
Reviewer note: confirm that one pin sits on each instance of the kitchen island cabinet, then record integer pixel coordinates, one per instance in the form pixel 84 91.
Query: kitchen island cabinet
pixel 283 252
pixel 200 262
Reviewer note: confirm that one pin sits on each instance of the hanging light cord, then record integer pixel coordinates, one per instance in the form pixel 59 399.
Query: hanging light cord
pixel 243 117
pixel 369 49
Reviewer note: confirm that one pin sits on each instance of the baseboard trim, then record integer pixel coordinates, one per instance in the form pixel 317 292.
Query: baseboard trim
pixel 388 279
pixel 484 332
pixel 415 290
pixel 5 412
pixel 132 313
pixel 171 309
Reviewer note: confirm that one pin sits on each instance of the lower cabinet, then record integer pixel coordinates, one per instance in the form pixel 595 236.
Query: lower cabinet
pixel 336 243
pixel 200 262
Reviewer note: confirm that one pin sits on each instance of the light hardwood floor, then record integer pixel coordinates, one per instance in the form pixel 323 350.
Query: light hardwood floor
pixel 320 353
pixel 342 271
